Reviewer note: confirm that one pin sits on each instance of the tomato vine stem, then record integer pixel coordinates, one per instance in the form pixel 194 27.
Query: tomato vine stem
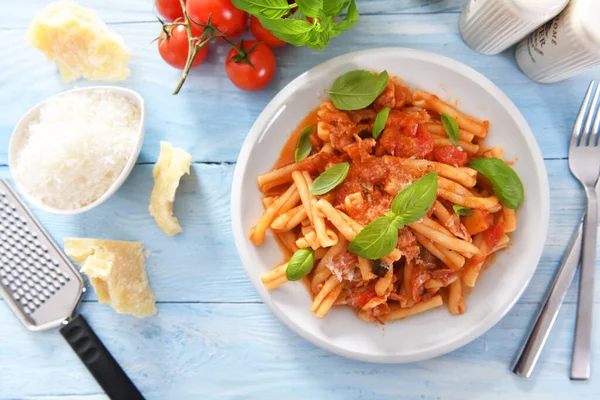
pixel 192 48
pixel 195 44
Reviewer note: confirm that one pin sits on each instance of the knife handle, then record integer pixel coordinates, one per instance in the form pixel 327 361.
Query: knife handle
pixel 544 320
pixel 99 361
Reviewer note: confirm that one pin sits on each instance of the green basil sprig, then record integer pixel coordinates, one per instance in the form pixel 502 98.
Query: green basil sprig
pixel 357 89
pixel 311 8
pixel 379 238
pixel 267 8
pixel 335 7
pixel 380 121
pixel 506 183
pixel 300 264
pixel 451 128
pixel 296 29
pixel 329 179
pixel 348 22
pixel 304 146
pixel 462 211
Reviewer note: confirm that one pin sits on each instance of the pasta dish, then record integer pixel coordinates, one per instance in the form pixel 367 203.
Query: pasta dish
pixel 385 200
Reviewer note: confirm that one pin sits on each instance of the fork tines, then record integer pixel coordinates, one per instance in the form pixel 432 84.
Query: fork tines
pixel 585 133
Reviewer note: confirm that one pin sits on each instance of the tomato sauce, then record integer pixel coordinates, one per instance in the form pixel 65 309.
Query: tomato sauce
pixel 287 153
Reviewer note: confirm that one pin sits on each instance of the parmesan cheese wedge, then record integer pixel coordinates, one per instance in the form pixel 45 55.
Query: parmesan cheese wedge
pixel 172 164
pixel 79 43
pixel 116 270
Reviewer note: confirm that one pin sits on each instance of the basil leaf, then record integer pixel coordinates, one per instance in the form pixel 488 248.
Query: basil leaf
pixel 376 240
pixel 329 179
pixel 333 8
pixel 380 121
pixel 290 30
pixel 505 181
pixel 320 35
pixel 398 222
pixel 348 22
pixel 300 264
pixel 312 8
pixel 462 211
pixel 267 8
pixel 298 15
pixel 411 204
pixel 357 89
pixel 451 128
pixel 304 146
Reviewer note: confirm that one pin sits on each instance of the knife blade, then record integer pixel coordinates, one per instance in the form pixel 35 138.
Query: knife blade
pixel 531 349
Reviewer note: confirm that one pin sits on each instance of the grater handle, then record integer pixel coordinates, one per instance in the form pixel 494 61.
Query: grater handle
pixel 101 364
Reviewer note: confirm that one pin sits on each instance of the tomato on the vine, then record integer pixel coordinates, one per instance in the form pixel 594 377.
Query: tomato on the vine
pixel 169 9
pixel 264 35
pixel 252 68
pixel 174 48
pixel 223 15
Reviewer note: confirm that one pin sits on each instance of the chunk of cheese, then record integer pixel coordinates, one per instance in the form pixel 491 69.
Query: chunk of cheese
pixel 172 164
pixel 79 43
pixel 117 272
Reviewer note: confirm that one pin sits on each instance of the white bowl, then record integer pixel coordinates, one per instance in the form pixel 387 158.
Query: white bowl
pixel 16 142
pixel 436 332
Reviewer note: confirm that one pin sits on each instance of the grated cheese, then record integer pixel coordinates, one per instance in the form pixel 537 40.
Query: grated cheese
pixel 79 43
pixel 342 274
pixel 77 147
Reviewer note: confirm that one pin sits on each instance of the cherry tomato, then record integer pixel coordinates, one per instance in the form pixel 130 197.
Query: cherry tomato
pixel 169 9
pixel 360 296
pixel 174 48
pixel 415 140
pixel 478 222
pixel 451 155
pixel 492 235
pixel 254 76
pixel 264 35
pixel 223 15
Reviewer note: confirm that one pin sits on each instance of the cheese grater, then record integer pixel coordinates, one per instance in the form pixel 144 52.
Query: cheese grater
pixel 43 288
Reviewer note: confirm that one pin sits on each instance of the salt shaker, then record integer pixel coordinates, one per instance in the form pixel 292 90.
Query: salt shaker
pixel 565 46
pixel 492 26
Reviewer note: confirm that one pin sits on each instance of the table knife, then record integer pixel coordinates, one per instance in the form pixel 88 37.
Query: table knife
pixel 544 320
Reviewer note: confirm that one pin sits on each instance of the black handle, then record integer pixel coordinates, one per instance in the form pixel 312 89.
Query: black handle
pixel 99 361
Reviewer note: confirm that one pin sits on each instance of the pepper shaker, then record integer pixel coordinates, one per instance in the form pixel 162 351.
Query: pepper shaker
pixel 563 47
pixel 492 26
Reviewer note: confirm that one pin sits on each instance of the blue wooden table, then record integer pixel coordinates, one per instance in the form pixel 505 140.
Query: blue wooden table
pixel 213 337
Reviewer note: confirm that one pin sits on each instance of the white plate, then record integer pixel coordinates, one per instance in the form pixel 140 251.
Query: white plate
pixel 435 332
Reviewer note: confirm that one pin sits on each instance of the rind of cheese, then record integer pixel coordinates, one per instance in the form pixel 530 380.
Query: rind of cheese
pixel 79 43
pixel 172 164
pixel 117 272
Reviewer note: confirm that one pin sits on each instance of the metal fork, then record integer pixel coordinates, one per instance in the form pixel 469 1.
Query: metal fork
pixel 584 162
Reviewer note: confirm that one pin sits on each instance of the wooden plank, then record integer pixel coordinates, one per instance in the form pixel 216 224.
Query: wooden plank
pixel 218 351
pixel 200 115
pixel 202 263
pixel 116 11
pixel 67 397
pixel 409 6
